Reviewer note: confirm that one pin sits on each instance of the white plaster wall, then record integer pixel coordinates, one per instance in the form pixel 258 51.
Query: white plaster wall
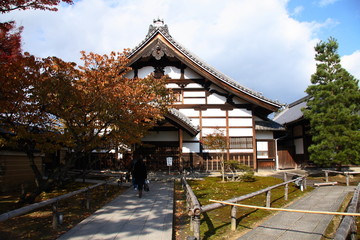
pixel 211 150
pixel 241 150
pixel 189 74
pixel 214 122
pixel 240 132
pixel 161 136
pixel 193 85
pixel 189 112
pixel 264 135
pixel 207 131
pixel 195 121
pixel 172 85
pixel 240 113
pixel 187 137
pixel 194 94
pixel 240 122
pixel 194 100
pixel 145 71
pixel 191 147
pixel 172 72
pixel 216 99
pixel 213 113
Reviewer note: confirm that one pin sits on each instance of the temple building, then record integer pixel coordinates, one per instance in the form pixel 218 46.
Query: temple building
pixel 206 101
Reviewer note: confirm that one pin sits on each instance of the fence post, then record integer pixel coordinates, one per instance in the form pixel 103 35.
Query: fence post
pixel 353 232
pixel 233 218
pixel 326 176
pixel 196 223
pixel 55 217
pixel 268 198
pixel 106 189
pixel 88 198
pixel 286 187
pixel 191 223
pixel 347 179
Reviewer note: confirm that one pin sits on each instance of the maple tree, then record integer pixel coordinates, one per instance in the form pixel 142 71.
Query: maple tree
pixel 10 5
pixel 99 107
pixel 217 141
pixel 88 108
pixel 48 104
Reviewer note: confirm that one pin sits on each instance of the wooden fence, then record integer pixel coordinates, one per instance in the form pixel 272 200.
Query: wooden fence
pixel 348 224
pixel 215 164
pixel 57 217
pixel 195 211
pixel 347 175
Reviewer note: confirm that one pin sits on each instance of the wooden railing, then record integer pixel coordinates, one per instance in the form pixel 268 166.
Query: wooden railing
pixel 348 224
pixel 57 217
pixel 195 211
pixel 347 175
pixel 194 208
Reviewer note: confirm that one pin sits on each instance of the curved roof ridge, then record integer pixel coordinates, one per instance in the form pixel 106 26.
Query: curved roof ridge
pixel 164 31
pixel 184 119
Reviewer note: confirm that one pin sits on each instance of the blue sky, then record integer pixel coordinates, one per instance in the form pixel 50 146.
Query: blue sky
pixel 265 45
pixel 343 17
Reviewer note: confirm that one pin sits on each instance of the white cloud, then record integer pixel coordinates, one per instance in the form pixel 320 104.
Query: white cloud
pixel 255 42
pixel 352 64
pixel 324 3
pixel 297 11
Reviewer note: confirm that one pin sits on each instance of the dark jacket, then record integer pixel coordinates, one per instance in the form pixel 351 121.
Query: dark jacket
pixel 140 172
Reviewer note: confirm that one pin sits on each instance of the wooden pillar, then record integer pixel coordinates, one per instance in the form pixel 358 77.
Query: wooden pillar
pixel 254 141
pixel 181 140
pixel 227 136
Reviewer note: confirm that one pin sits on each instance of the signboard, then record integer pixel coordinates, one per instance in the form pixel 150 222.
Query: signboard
pixel 169 161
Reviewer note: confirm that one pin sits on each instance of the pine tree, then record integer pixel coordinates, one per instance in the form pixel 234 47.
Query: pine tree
pixel 333 110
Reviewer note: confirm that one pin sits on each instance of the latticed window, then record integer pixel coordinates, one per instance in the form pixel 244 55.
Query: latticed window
pixel 241 143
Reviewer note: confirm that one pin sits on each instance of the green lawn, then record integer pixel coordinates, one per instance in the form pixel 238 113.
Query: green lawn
pixel 215 224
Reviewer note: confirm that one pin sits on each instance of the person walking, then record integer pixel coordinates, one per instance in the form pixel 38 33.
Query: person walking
pixel 140 174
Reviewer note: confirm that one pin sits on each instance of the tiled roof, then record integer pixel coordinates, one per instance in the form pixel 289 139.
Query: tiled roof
pixel 268 125
pixel 184 120
pixel 163 30
pixel 292 112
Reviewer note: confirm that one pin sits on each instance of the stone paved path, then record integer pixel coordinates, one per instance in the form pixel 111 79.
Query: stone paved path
pixel 131 218
pixel 302 226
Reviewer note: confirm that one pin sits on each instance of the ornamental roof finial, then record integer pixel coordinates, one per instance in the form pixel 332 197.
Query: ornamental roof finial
pixel 158 24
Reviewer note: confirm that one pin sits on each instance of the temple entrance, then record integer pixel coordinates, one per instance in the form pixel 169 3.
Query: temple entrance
pixel 156 154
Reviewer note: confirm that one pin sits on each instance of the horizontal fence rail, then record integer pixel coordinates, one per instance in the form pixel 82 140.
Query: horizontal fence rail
pixel 34 206
pixel 348 224
pixel 195 209
pixel 288 209
pixel 347 175
pixel 213 206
